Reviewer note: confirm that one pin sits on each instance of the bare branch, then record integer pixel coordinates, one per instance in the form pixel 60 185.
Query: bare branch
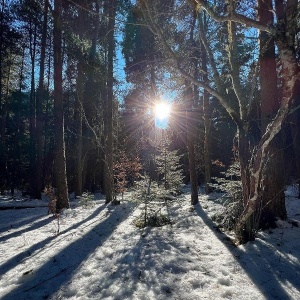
pixel 234 17
pixel 148 14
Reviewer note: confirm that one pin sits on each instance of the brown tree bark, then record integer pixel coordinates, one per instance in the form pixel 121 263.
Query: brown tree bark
pixel 273 199
pixel 82 15
pixel 190 128
pixel 60 175
pixel 108 109
pixel 206 114
pixel 37 188
pixel 295 131
pixel 2 115
pixel 32 108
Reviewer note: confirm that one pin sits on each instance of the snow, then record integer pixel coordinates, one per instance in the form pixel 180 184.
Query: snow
pixel 100 254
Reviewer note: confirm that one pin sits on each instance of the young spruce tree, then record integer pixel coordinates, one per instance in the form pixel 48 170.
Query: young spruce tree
pixel 168 167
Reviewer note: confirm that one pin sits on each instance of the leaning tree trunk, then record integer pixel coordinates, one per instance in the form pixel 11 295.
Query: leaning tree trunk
pixel 260 157
pixel 60 174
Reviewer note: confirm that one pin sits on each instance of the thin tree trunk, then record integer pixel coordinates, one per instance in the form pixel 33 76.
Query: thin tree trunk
pixel 2 123
pixel 79 107
pixel 32 112
pixel 207 119
pixel 4 112
pixel 192 103
pixel 39 110
pixel 60 158
pixel 191 147
pixel 78 120
pixel 109 184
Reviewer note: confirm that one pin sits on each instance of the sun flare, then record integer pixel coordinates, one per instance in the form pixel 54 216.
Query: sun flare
pixel 162 110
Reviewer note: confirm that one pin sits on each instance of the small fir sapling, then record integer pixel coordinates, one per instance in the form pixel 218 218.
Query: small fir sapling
pixel 230 183
pixel 148 193
pixel 169 169
pixel 163 178
pixel 86 200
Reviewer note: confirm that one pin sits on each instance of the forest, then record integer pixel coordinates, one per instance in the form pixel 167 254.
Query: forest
pixel 154 144
pixel 79 82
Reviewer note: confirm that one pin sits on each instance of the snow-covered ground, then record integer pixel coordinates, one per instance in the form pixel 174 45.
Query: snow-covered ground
pixel 100 254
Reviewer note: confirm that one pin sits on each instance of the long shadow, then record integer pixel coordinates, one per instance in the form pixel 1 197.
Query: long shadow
pixel 19 223
pixel 136 266
pixel 36 248
pixel 266 272
pixel 34 226
pixel 59 270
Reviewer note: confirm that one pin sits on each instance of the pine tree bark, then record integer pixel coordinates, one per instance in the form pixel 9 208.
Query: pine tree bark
pixel 37 188
pixel 206 118
pixel 32 109
pixel 191 147
pixel 2 110
pixel 273 198
pixel 108 109
pixel 79 106
pixel 60 175
pixel 295 131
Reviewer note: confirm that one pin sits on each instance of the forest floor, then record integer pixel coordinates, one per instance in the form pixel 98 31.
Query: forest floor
pixel 100 254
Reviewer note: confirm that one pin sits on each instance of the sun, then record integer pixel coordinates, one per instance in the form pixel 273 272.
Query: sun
pixel 162 111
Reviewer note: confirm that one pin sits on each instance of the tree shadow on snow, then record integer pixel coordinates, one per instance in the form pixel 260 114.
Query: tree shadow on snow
pixel 267 266
pixel 157 261
pixel 22 220
pixel 56 272
pixel 142 270
pixel 35 225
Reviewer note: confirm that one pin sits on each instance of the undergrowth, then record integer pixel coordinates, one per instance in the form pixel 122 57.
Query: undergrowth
pixel 230 184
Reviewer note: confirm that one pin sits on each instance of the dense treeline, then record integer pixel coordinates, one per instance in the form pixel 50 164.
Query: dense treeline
pixel 232 70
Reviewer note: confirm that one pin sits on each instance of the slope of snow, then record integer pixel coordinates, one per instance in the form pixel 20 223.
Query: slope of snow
pixel 95 252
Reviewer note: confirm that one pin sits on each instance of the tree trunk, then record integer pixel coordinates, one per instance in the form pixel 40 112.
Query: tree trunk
pixel 78 128
pixel 207 120
pixel 259 163
pixel 253 171
pixel 59 152
pixel 37 188
pixel 273 199
pixel 2 136
pixel 4 113
pixel 79 107
pixel 32 111
pixel 191 147
pixel 108 110
pixel 294 122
